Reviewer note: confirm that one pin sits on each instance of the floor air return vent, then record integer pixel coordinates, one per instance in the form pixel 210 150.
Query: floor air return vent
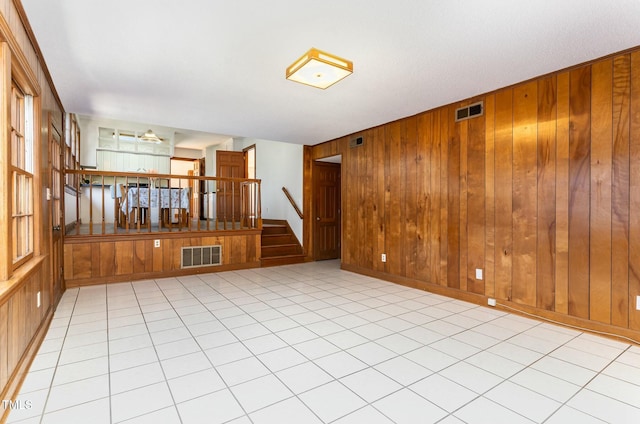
pixel 197 256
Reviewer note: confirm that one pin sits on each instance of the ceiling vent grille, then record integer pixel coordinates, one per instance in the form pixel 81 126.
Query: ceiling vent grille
pixel 197 256
pixel 356 142
pixel 471 111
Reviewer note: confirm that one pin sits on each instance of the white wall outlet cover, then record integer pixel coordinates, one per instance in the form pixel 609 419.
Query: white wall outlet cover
pixel 491 302
pixel 156 243
pixel 384 257
pixel 478 274
pixel 638 303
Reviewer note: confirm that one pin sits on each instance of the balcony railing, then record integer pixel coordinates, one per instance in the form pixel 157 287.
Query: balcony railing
pixel 126 203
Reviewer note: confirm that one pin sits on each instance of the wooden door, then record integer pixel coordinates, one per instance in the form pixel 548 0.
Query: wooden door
pixel 229 165
pixel 326 181
pixel 57 218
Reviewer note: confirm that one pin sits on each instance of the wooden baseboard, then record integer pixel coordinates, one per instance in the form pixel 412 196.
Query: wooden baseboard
pixel 622 334
pixel 12 388
pixel 152 275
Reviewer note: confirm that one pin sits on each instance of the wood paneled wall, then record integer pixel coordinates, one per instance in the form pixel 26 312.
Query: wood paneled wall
pixel 542 193
pixel 22 322
pixel 97 260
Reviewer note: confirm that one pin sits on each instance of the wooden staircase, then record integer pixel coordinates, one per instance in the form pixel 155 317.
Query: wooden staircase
pixel 279 245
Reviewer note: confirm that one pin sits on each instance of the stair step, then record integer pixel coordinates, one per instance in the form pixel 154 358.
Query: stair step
pixel 280 250
pixel 275 239
pixel 282 260
pixel 270 229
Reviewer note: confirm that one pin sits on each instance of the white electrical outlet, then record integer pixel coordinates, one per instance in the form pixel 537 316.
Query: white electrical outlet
pixel 478 274
pixel 156 243
pixel 638 303
pixel 491 302
pixel 384 257
pixel 38 299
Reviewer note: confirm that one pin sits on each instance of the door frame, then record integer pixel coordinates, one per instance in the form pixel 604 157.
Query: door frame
pixel 309 202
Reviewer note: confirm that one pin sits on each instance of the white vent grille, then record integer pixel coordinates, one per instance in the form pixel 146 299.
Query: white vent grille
pixel 471 111
pixel 356 142
pixel 197 256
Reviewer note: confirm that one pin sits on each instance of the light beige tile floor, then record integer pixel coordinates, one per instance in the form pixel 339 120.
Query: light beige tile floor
pixel 311 343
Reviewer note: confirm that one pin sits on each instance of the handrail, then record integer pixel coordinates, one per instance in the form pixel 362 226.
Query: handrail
pixel 116 203
pixel 293 202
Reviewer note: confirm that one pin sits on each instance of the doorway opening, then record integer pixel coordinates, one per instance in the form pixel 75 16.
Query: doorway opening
pixel 327 213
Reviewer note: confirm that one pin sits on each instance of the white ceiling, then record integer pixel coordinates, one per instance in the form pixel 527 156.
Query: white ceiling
pixel 218 65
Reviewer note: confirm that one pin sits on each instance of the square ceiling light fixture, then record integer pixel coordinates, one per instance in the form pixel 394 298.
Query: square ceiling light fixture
pixel 319 69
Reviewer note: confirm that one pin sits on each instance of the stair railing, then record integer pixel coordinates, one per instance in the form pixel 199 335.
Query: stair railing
pixel 293 202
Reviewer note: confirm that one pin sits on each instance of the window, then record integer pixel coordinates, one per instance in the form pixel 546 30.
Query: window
pixel 21 175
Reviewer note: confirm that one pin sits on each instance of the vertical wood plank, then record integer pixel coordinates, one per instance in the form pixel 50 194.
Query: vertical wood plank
pixel 423 201
pixel 435 195
pixel 476 204
pixel 443 135
pixel 380 206
pixel 124 257
pixel 68 262
pixel 579 190
pixel 504 194
pixel 525 106
pixel 562 196
pixel 462 128
pixel 394 219
pixel 96 264
pixel 490 197
pixel 634 191
pixel 107 262
pixel 546 202
pixel 369 199
pixel 410 193
pixel 600 217
pixel 4 345
pixel 453 202
pixel 139 256
pixel 357 188
pixel 350 207
pixel 158 257
pixel 620 191
pixel 81 261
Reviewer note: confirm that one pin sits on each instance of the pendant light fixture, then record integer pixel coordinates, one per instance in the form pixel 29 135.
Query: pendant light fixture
pixel 150 137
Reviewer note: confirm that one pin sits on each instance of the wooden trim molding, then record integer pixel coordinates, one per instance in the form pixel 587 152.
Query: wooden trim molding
pixel 26 75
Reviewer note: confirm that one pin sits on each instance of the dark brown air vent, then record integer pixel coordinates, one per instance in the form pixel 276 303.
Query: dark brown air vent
pixel 355 142
pixel 470 111
pixel 196 256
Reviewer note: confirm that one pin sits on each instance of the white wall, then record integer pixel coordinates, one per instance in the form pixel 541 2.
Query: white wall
pixel 278 165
